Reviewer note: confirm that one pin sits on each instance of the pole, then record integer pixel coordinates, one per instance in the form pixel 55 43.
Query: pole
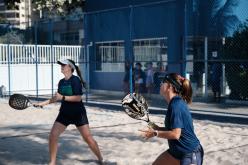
pixel 9 61
pixel 205 77
pixel 86 56
pixel 36 61
pixel 51 52
pixel 183 71
pixel 131 49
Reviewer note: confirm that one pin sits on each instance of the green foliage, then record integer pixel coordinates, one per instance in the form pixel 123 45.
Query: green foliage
pixel 216 17
pixel 236 47
pixel 12 37
pixel 11 4
pixel 60 7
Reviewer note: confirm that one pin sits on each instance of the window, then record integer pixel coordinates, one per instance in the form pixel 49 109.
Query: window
pixel 151 50
pixel 110 56
pixel 2 8
pixel 71 38
pixel 10 15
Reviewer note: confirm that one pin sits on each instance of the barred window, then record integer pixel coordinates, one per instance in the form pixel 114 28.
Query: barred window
pixel 151 50
pixel 110 56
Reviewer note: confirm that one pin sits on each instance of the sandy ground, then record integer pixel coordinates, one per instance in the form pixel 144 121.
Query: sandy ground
pixel 24 139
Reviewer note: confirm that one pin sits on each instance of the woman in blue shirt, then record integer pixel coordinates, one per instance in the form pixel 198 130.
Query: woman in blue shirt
pixel 184 146
pixel 72 110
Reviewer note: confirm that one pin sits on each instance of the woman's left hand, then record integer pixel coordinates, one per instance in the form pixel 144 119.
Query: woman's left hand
pixel 148 133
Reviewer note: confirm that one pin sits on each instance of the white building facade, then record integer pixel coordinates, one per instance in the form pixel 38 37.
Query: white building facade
pixel 20 16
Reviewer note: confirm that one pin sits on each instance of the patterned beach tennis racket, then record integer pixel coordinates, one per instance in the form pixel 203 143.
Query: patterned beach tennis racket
pixel 20 102
pixel 136 107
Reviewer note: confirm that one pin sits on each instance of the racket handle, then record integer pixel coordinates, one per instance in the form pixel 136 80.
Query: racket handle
pixel 37 106
pixel 153 125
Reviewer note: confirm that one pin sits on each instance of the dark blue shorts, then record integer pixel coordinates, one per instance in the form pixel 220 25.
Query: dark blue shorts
pixel 196 157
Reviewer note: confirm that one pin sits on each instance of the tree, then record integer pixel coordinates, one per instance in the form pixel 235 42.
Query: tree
pixel 12 37
pixel 11 4
pixel 215 18
pixel 236 47
pixel 59 7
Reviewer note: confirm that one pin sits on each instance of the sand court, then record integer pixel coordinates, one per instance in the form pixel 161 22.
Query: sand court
pixel 24 139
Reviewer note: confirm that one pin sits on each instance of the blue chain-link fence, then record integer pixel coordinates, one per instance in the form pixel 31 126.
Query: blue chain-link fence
pixel 126 47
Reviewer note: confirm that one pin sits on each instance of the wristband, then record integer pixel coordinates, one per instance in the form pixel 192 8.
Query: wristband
pixel 63 98
pixel 155 133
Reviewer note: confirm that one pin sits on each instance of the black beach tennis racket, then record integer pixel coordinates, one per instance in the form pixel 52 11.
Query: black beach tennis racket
pixel 136 107
pixel 20 102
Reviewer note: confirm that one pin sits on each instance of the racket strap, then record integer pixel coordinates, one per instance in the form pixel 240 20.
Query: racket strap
pixel 153 125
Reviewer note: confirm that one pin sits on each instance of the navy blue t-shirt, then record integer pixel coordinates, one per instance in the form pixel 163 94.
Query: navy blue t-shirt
pixel 178 116
pixel 71 87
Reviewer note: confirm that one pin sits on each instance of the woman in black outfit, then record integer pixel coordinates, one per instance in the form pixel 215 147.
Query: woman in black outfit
pixel 72 110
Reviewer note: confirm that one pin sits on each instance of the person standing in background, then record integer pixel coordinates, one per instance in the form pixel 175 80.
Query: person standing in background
pixel 126 79
pixel 215 77
pixel 139 76
pixel 149 79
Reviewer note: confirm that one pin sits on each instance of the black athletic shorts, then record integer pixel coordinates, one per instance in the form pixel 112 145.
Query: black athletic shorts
pixel 78 119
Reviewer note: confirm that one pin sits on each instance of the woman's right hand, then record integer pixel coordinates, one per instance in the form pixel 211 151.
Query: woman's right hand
pixel 57 97
pixel 46 102
pixel 38 105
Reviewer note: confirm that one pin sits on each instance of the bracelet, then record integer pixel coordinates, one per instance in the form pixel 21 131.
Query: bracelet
pixel 155 133
pixel 63 98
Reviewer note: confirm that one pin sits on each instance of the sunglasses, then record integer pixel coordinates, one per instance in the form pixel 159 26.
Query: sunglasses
pixel 171 80
pixel 163 82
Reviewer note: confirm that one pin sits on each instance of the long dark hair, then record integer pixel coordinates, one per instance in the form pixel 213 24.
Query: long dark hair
pixel 78 73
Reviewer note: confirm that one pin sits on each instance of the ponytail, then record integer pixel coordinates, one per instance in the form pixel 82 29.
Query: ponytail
pixel 186 92
pixel 78 73
pixel 80 76
pixel 181 85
